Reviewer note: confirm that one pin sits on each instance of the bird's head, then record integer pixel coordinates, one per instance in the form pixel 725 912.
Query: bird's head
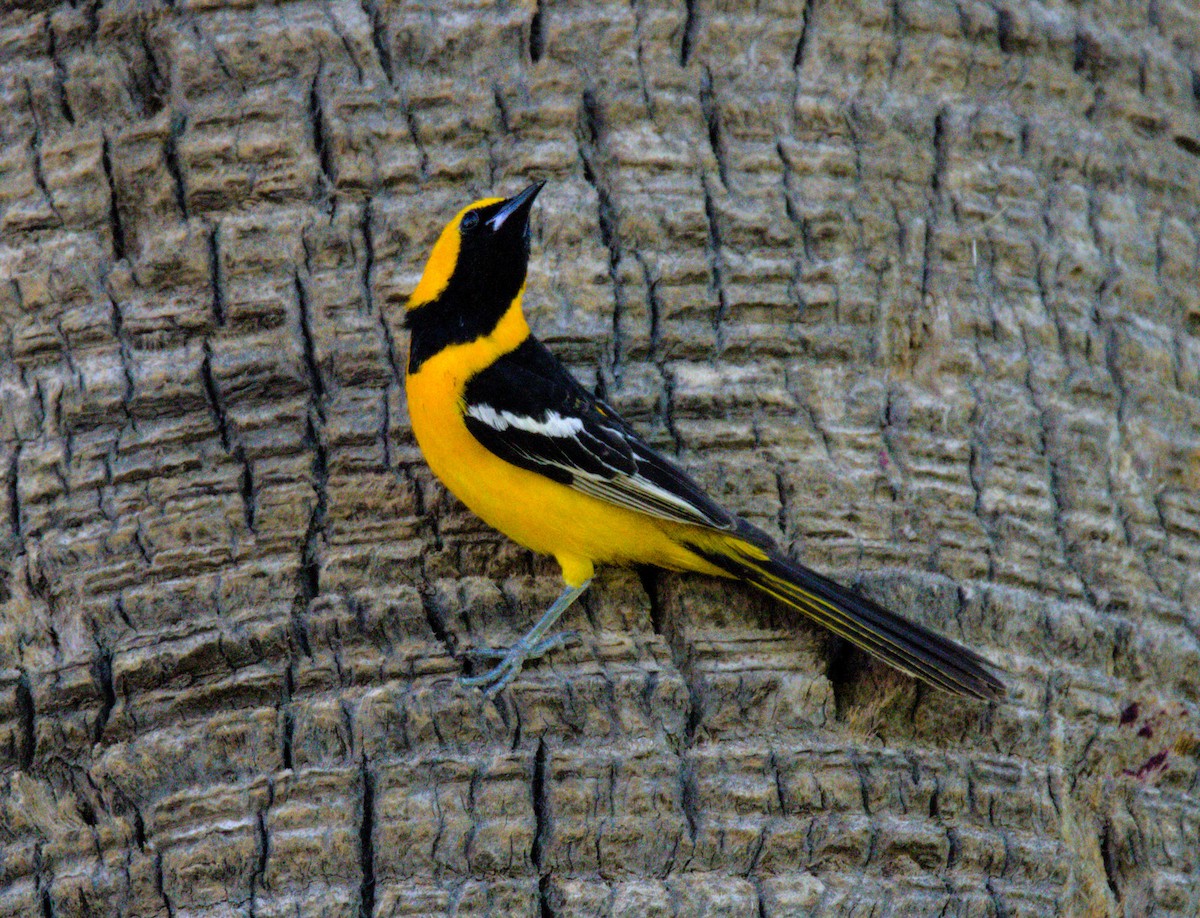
pixel 481 256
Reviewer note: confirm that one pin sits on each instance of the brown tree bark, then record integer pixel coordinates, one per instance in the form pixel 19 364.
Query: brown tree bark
pixel 913 285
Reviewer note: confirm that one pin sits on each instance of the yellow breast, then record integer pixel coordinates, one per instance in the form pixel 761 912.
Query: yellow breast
pixel 535 511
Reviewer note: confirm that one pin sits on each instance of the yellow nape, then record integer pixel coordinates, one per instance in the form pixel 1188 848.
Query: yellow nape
pixel 442 259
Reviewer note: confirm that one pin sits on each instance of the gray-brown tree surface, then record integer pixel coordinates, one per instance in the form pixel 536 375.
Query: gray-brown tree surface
pixel 911 284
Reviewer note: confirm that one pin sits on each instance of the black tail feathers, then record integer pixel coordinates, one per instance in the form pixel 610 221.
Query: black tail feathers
pixel 909 647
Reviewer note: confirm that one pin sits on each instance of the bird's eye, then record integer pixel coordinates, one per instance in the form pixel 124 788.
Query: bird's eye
pixel 470 219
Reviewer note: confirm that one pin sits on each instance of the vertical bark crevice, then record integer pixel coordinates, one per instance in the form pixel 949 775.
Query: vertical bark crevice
pixel 213 396
pixel 691 24
pixel 1108 858
pixel 716 263
pixel 379 39
pixel 320 131
pixel 936 178
pixel 61 74
pixel 116 224
pixel 543 828
pixel 537 32
pixel 801 52
pixel 26 722
pixel 171 159
pixel 246 486
pixel 215 280
pixel 103 673
pixel 13 485
pixel 366 842
pixel 712 121
pixel 592 154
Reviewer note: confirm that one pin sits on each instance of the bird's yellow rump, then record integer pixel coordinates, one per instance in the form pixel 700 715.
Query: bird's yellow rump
pixel 513 435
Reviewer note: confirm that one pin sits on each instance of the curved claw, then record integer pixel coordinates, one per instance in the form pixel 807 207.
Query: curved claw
pixel 494 680
pixel 511 662
pixel 531 646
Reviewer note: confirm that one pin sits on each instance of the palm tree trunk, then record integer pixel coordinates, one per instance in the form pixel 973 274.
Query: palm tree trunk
pixel 912 286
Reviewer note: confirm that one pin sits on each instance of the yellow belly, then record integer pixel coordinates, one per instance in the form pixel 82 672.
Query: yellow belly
pixel 541 514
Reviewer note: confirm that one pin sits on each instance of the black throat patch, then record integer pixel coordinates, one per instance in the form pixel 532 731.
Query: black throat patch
pixel 487 278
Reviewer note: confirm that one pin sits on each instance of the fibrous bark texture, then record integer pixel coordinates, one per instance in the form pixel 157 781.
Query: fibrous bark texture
pixel 911 284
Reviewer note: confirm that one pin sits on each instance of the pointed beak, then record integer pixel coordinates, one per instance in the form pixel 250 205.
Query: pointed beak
pixel 518 207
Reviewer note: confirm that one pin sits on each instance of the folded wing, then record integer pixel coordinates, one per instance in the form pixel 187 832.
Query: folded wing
pixel 528 410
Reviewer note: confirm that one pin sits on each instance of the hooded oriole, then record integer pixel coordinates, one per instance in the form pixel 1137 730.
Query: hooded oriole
pixel 510 432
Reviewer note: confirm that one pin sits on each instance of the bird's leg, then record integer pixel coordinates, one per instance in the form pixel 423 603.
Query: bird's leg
pixel 531 646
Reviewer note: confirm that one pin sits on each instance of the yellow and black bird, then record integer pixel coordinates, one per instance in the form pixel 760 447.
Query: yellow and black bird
pixel 510 432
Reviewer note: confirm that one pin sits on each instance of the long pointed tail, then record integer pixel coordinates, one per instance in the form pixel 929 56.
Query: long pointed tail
pixel 909 647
